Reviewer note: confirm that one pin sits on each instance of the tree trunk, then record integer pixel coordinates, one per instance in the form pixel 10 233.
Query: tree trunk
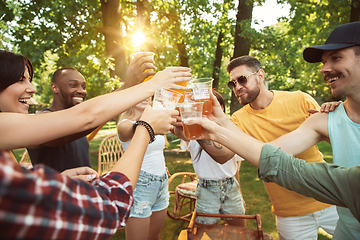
pixel 112 30
pixel 242 44
pixel 355 11
pixel 217 62
pixel 174 18
pixel 184 59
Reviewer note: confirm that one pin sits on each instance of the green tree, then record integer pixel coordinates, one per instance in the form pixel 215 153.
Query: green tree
pixel 242 41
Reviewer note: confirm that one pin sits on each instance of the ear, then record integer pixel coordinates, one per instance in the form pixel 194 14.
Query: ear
pixel 261 75
pixel 54 88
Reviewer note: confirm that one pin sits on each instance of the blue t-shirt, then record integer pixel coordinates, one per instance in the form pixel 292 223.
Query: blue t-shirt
pixel 344 136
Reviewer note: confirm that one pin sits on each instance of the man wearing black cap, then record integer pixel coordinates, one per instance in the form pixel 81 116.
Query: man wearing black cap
pixel 340 56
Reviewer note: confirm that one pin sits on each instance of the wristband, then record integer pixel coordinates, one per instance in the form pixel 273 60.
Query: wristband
pixel 148 128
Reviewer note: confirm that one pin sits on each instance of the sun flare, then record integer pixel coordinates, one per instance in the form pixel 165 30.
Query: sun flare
pixel 138 38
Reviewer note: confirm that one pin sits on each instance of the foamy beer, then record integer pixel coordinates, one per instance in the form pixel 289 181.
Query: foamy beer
pixel 188 111
pixel 202 88
pixel 165 98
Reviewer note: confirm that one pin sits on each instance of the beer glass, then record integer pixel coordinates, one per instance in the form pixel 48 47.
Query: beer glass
pixel 188 111
pixel 202 88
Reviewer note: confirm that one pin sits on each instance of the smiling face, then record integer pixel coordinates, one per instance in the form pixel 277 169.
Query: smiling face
pixel 341 69
pixel 69 88
pixel 15 97
pixel 250 91
pixel 142 105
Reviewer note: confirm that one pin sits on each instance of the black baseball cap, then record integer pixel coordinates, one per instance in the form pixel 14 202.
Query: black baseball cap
pixel 343 36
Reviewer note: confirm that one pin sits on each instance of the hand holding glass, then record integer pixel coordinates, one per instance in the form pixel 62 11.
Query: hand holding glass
pixel 188 111
pixel 202 87
pixel 165 99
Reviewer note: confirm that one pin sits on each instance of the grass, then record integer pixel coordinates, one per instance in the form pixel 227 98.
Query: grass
pixel 255 195
pixel 254 192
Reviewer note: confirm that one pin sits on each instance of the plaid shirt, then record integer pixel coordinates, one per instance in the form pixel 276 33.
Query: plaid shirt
pixel 43 204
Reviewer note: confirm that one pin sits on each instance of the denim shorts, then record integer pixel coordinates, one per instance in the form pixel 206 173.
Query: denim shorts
pixel 150 195
pixel 218 196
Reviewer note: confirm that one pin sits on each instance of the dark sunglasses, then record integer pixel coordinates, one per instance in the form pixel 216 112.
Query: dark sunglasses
pixel 242 80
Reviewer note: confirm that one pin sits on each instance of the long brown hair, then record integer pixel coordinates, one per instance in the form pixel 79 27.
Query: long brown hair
pixel 13 68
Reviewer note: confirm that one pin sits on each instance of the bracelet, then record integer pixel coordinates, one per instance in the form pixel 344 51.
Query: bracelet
pixel 148 128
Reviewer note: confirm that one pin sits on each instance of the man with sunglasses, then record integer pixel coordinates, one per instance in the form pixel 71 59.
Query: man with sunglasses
pixel 267 115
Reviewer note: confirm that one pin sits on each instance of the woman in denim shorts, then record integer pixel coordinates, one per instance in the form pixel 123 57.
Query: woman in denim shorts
pixel 151 196
pixel 218 190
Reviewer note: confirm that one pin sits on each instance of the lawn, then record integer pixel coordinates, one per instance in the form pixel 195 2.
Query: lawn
pixel 255 195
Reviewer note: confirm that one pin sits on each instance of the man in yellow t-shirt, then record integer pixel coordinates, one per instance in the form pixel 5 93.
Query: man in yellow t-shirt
pixel 267 115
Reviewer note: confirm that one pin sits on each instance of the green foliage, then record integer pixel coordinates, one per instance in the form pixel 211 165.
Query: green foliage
pixel 70 33
pixel 309 23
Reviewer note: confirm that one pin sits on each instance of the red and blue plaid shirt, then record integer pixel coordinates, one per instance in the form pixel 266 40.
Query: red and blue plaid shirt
pixel 43 204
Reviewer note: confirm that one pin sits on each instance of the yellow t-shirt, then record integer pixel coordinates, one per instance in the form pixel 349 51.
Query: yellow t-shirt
pixel 286 112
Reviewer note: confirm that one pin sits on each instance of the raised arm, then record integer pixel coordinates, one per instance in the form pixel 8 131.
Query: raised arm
pixel 312 131
pixel 135 75
pixel 216 151
pixel 130 163
pixel 21 130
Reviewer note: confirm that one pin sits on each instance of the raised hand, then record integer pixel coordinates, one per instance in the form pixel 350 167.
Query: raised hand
pixel 217 114
pixel 168 77
pixel 160 120
pixel 209 128
pixel 141 67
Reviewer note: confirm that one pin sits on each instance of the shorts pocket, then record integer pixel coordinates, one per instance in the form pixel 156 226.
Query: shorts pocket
pixel 144 182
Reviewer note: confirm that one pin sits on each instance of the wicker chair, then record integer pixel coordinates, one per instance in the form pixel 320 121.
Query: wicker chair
pixel 110 151
pixel 184 196
pixel 25 160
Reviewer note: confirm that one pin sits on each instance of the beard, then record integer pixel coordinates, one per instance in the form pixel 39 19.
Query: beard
pixel 67 99
pixel 249 97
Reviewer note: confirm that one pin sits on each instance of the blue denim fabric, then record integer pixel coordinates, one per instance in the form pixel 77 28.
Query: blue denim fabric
pixel 150 195
pixel 218 196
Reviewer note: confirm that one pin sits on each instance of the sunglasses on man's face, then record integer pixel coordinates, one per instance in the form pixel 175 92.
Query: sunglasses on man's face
pixel 242 80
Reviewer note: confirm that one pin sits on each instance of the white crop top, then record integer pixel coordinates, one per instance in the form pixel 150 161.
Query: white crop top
pixel 154 160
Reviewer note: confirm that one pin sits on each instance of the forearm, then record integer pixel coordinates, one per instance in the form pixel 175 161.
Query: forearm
pixel 240 143
pixel 217 152
pixel 106 107
pixel 310 132
pixel 130 163
pixel 67 139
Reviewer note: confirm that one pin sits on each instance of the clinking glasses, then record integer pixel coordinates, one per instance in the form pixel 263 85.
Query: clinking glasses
pixel 242 80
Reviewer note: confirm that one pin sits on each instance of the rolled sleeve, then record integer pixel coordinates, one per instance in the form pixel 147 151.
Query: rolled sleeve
pixel 43 204
pixel 269 162
pixel 328 183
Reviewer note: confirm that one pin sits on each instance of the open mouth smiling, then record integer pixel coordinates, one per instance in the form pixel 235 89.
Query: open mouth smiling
pixel 24 100
pixel 331 80
pixel 80 99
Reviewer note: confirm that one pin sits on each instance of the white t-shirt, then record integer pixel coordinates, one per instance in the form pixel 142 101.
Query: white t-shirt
pixel 154 160
pixel 207 168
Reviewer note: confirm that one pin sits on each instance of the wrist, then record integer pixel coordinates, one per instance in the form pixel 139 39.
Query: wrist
pixel 147 126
